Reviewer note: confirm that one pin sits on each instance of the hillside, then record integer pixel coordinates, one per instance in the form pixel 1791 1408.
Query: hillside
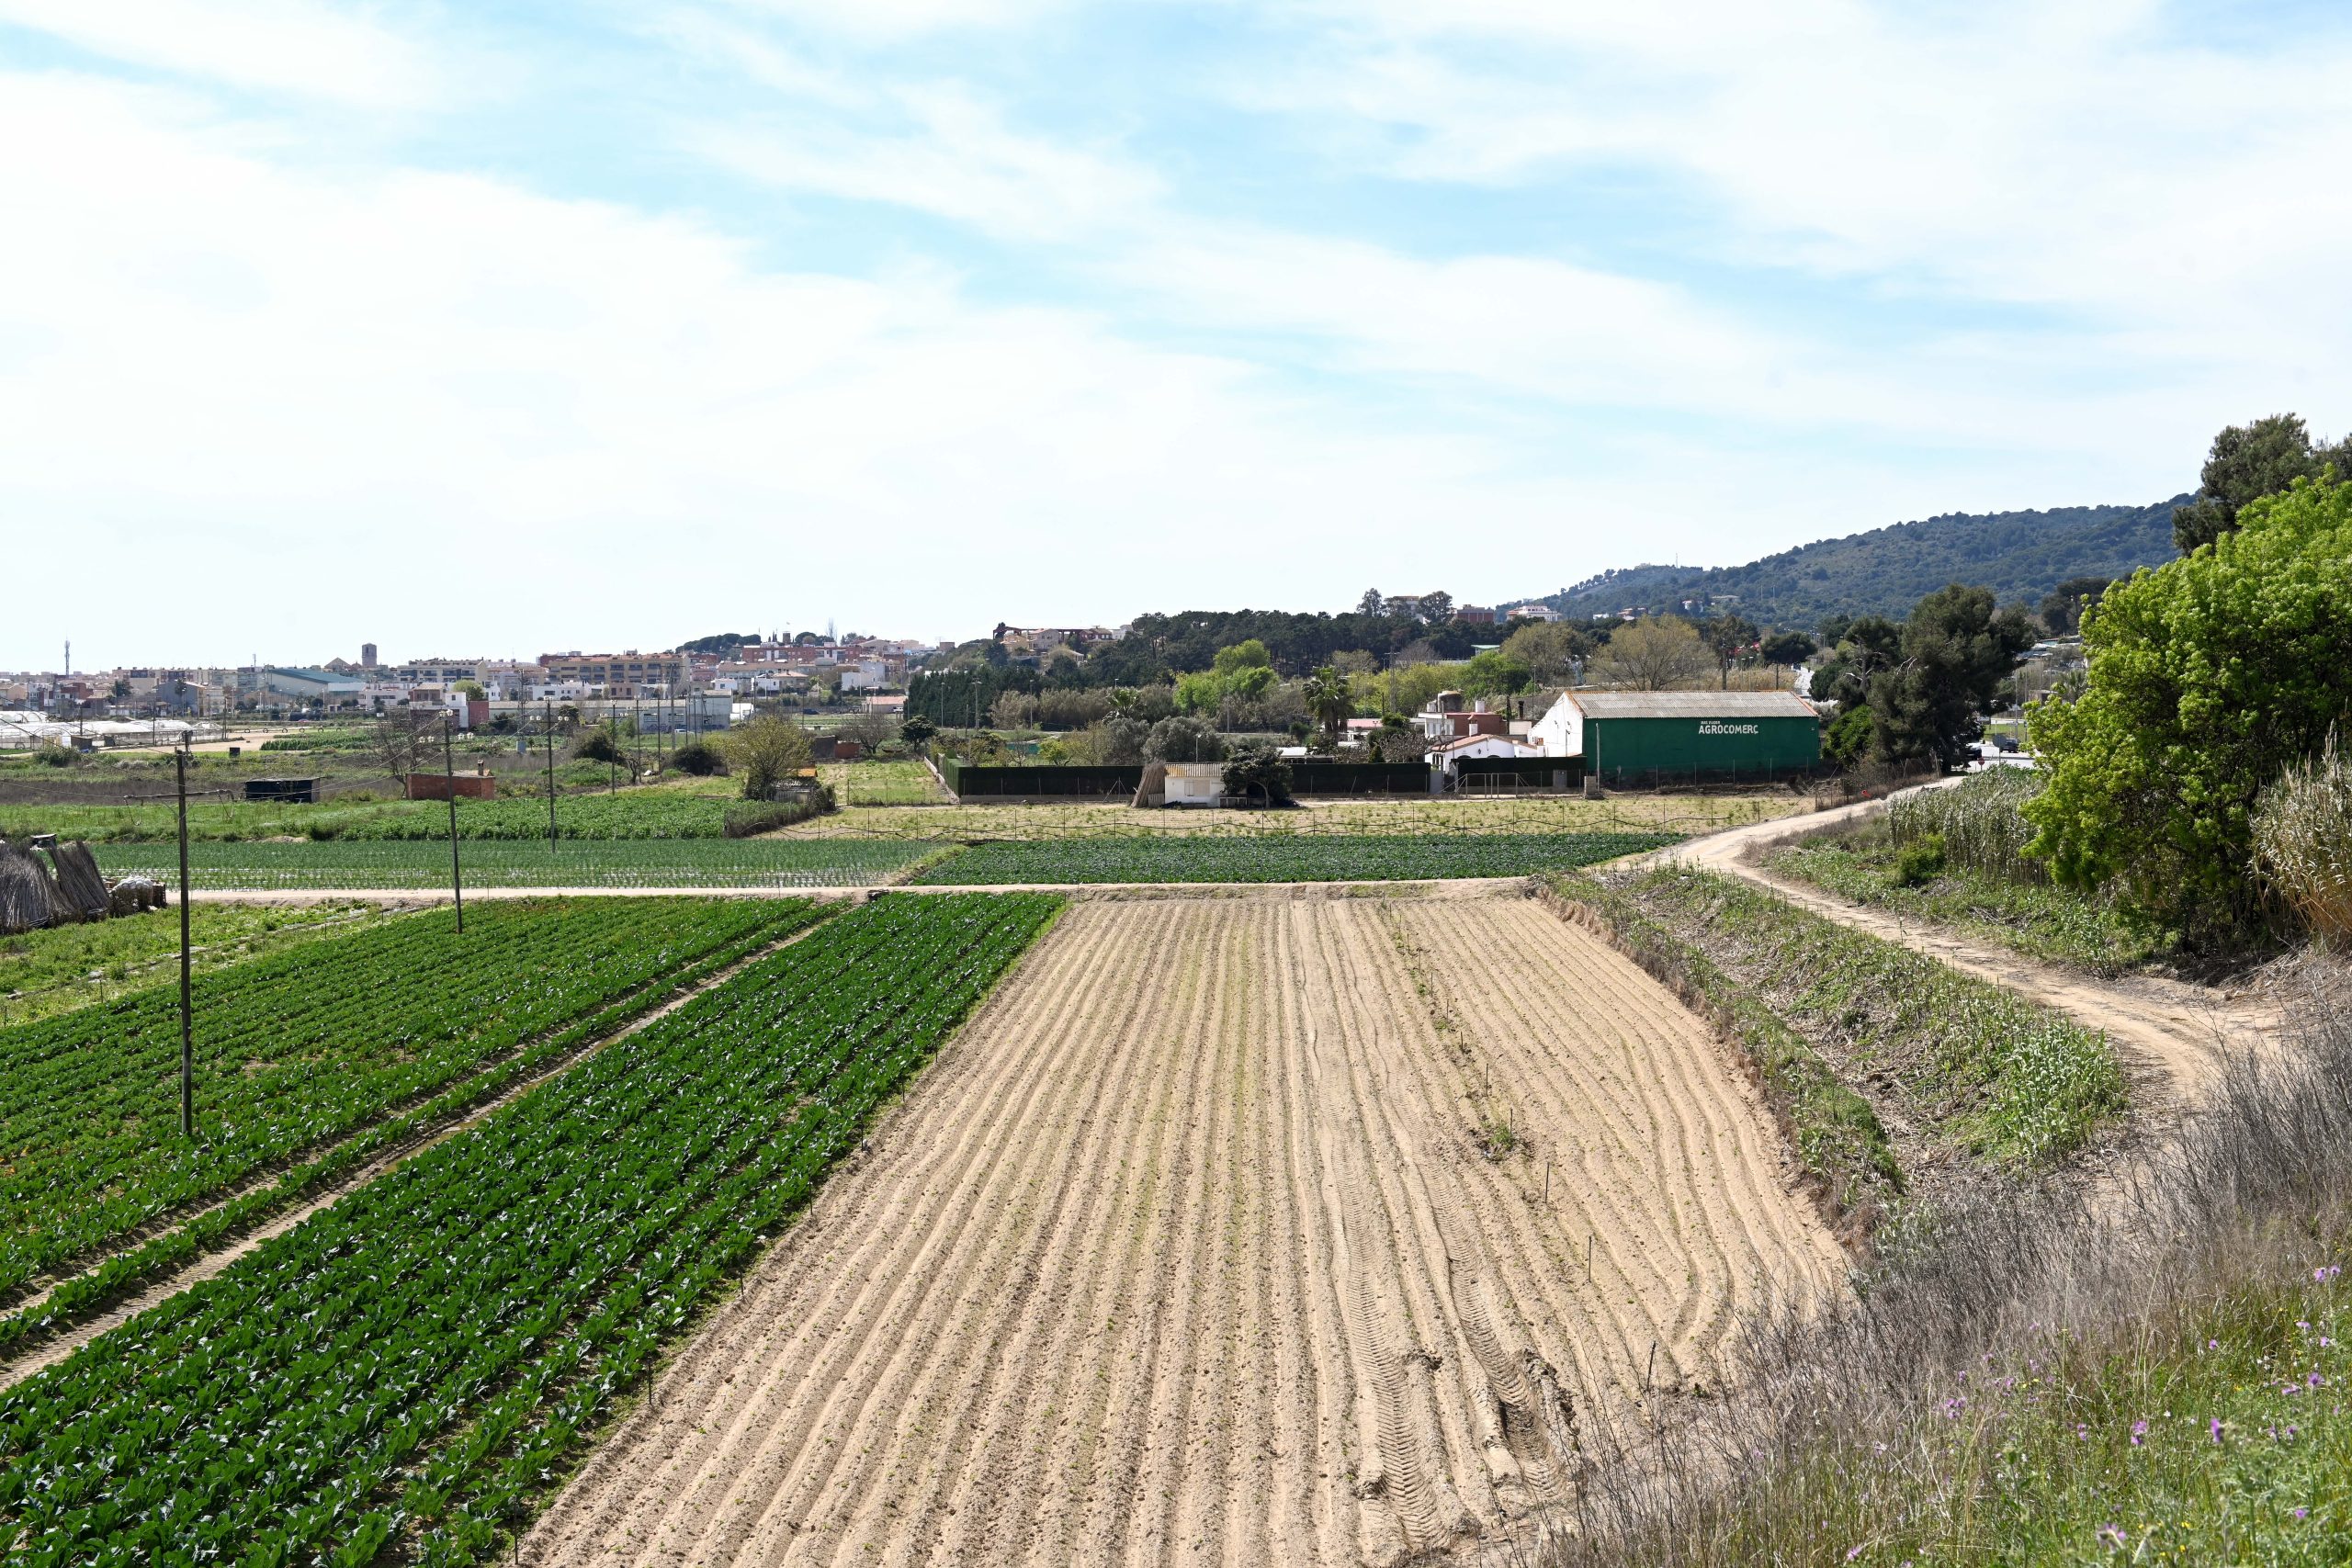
pixel 2019 555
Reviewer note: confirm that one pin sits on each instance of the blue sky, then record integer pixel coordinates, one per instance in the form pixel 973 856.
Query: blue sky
pixel 502 328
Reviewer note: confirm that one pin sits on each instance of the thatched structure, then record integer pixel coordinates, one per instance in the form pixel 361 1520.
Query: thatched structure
pixel 27 893
pixel 82 890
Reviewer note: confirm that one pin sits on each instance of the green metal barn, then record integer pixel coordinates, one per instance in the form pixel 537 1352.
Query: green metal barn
pixel 1630 739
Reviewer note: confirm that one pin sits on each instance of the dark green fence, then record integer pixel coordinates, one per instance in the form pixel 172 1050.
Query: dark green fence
pixel 1511 775
pixel 1311 775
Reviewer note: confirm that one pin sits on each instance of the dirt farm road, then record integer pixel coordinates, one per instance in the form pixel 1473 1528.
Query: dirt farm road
pixel 1204 1242
pixel 2175 1034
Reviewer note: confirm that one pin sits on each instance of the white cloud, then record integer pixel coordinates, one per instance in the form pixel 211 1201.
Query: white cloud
pixel 297 47
pixel 2074 155
pixel 894 20
pixel 288 412
pixel 952 156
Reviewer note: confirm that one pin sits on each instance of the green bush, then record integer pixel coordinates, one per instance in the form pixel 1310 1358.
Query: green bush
pixel 2209 677
pixel 1920 861
pixel 753 817
pixel 699 759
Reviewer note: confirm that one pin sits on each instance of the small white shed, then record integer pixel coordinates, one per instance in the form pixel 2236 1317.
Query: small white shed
pixel 1195 783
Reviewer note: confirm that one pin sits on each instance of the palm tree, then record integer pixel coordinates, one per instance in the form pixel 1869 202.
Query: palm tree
pixel 1331 698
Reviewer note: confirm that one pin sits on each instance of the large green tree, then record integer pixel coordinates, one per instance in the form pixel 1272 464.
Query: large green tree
pixel 2247 462
pixel 2208 676
pixel 1957 648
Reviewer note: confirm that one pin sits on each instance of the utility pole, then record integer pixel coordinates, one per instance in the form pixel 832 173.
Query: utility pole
pixel 187 1006
pixel 449 772
pixel 551 710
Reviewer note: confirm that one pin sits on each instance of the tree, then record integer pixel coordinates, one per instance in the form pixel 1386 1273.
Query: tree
pixel 916 731
pixel 1258 771
pixel 2062 606
pixel 1247 654
pixel 1957 649
pixel 1787 648
pixel 1436 608
pixel 1331 701
pixel 2209 677
pixel 871 728
pixel 2247 461
pixel 1372 603
pixel 770 751
pixel 1183 739
pixel 1847 739
pixel 396 742
pixel 1549 650
pixel 1728 637
pixel 1490 674
pixel 1398 742
pixel 471 689
pixel 1660 654
pixel 1865 647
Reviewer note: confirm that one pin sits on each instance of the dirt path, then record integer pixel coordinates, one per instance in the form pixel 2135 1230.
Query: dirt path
pixel 46 1353
pixel 1189 1249
pixel 2176 1034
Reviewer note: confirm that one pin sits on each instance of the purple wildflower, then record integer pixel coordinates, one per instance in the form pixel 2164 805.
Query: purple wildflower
pixel 2139 1433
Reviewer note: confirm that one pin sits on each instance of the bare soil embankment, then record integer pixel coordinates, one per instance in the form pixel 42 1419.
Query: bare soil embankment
pixel 1319 1231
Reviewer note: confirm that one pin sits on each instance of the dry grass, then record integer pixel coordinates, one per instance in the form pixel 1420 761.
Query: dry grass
pixel 2303 843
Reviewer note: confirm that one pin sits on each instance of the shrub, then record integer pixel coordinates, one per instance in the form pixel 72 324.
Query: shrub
pixel 1257 772
pixel 753 817
pixel 598 746
pixel 2209 677
pixel 50 754
pixel 699 759
pixel 1920 861
pixel 2303 843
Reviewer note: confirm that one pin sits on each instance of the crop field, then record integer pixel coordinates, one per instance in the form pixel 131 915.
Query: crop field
pixel 305 1047
pixel 60 968
pixel 883 784
pixel 619 863
pixel 1230 1231
pixel 1680 814
pixel 400 1369
pixel 1295 858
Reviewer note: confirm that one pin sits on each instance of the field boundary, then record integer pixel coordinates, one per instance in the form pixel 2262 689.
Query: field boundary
pixel 36 1344
pixel 2178 1036
pixel 1849 1195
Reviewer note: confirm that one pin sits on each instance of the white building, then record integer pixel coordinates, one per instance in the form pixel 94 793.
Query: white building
pixel 1446 754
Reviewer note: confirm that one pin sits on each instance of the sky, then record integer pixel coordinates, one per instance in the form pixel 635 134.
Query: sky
pixel 496 329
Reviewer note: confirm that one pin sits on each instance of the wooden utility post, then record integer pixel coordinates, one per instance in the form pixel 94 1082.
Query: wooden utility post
pixel 550 711
pixel 449 772
pixel 187 1005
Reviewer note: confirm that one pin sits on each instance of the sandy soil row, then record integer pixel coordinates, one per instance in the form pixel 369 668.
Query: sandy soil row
pixel 1192 1248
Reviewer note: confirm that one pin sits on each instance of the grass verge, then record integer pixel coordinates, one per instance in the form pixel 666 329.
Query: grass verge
pixel 2063 925
pixel 2005 1080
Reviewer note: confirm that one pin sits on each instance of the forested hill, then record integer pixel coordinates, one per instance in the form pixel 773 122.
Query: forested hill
pixel 2019 555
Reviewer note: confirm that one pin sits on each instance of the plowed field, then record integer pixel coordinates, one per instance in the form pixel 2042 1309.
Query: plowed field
pixel 1205 1242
